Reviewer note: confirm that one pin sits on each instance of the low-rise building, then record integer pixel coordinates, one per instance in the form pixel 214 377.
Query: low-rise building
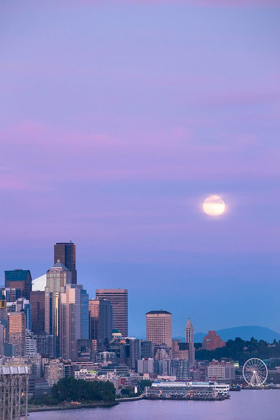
pixel 221 371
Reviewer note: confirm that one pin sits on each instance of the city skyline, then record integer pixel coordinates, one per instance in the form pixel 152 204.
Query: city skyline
pixel 118 119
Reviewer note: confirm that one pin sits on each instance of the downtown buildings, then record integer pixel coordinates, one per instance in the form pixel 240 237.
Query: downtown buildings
pixel 60 321
pixel 159 327
pixel 119 301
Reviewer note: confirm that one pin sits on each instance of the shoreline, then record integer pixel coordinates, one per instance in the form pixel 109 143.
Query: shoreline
pixel 34 409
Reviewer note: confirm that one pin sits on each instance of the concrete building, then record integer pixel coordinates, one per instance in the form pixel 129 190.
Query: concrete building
pixel 119 301
pixel 57 279
pixel 54 371
pixel 189 335
pixel 180 368
pixel 212 341
pixel 30 344
pixel 220 371
pixel 21 304
pixel 19 279
pixel 101 319
pixel 16 332
pixel 180 350
pixel 159 327
pixel 74 321
pixel 66 253
pixel 145 366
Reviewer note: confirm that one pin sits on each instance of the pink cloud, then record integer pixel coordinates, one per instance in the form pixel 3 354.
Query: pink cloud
pixel 175 154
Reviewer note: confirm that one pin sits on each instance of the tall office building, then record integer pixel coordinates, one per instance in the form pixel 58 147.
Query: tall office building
pixel 101 319
pixel 19 279
pixel 57 278
pixel 16 332
pixel 74 320
pixel 119 301
pixel 159 327
pixel 37 302
pixel 189 333
pixel 66 253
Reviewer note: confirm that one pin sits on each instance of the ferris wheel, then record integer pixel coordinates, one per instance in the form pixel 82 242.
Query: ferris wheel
pixel 255 372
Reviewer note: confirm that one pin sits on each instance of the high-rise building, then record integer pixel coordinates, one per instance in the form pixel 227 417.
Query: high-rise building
pixel 101 319
pixel 16 332
pixel 19 279
pixel 159 327
pixel 21 304
pixel 119 301
pixel 37 302
pixel 65 252
pixel 57 278
pixel 189 335
pixel 74 320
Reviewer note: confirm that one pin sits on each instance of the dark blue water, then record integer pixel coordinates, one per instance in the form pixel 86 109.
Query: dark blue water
pixel 244 405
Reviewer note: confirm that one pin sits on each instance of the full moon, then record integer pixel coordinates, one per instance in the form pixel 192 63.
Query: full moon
pixel 214 205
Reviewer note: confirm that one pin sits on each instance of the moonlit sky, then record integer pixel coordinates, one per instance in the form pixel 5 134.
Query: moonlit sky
pixel 117 120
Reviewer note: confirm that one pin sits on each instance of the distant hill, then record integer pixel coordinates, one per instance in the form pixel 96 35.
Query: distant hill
pixel 246 333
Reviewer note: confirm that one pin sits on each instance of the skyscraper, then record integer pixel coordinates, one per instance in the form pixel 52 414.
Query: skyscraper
pixel 37 301
pixel 101 319
pixel 189 332
pixel 119 301
pixel 57 278
pixel 159 327
pixel 17 331
pixel 19 279
pixel 74 320
pixel 66 253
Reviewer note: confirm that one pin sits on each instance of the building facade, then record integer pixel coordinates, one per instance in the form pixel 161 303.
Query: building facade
pixel 65 252
pixel 57 279
pixel 101 319
pixel 21 280
pixel 119 301
pixel 212 341
pixel 220 371
pixel 74 321
pixel 37 301
pixel 189 336
pixel 16 332
pixel 159 327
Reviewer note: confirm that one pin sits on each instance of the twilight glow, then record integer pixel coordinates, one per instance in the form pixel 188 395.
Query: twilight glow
pixel 116 120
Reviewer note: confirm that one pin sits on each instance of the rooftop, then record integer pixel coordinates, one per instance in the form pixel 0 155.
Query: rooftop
pixel 158 312
pixel 17 275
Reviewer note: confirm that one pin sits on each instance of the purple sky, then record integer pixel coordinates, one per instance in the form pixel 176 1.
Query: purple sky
pixel 117 119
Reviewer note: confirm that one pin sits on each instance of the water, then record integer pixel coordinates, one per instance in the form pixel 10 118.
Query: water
pixel 244 405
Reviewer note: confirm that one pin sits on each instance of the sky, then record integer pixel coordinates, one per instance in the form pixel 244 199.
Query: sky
pixel 117 120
